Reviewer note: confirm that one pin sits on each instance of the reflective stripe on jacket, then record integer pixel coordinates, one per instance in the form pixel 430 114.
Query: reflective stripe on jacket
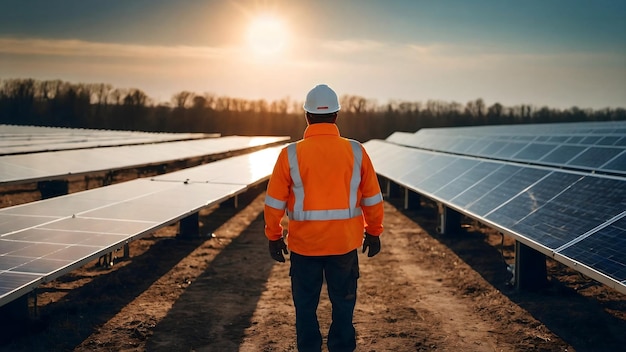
pixel 328 187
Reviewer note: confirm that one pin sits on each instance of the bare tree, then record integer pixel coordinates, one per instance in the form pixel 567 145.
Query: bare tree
pixel 475 108
pixel 199 102
pixel 182 99
pixel 136 97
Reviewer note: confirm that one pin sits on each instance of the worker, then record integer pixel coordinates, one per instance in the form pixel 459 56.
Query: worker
pixel 328 187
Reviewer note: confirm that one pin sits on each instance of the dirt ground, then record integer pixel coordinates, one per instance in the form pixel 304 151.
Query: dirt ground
pixel 222 292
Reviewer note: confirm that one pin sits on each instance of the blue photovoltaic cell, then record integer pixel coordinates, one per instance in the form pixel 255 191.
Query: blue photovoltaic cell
pixel 608 140
pixel 575 211
pixel 476 147
pixel 557 139
pixel 575 139
pixel 590 140
pixel 604 250
pixel 441 178
pixel 509 150
pixel 621 142
pixel 563 154
pixel 462 145
pixel 506 190
pixel 434 164
pixel 534 151
pixel 484 186
pixel 594 157
pixel 468 179
pixel 492 148
pixel 532 200
pixel 617 164
pixel 413 162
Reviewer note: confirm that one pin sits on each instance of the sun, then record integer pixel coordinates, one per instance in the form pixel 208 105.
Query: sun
pixel 267 35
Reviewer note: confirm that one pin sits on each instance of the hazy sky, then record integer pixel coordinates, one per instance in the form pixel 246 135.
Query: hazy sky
pixel 559 53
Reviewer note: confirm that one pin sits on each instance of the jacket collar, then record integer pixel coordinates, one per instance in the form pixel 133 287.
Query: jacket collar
pixel 319 129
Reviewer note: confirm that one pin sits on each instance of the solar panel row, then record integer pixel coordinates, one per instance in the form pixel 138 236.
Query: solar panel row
pixel 598 147
pixel 29 139
pixel 53 165
pixel 43 240
pixel 573 216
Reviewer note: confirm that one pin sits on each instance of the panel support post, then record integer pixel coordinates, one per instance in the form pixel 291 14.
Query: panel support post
pixel 447 219
pixel 411 200
pixel 189 227
pixel 232 202
pixel 53 188
pixel 382 181
pixel 126 250
pixel 393 189
pixel 530 268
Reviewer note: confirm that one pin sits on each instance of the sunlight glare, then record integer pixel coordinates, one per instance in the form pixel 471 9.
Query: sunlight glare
pixel 267 35
pixel 263 162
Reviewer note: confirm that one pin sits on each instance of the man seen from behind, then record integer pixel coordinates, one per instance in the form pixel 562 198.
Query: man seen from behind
pixel 328 187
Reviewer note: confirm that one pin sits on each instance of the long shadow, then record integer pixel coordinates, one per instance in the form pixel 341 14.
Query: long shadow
pixel 219 305
pixel 581 321
pixel 63 325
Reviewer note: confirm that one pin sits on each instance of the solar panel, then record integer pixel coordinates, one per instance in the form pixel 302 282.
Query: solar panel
pixel 43 240
pixel 44 166
pixel 603 250
pixel 29 139
pixel 564 214
pixel 243 169
pixel 585 146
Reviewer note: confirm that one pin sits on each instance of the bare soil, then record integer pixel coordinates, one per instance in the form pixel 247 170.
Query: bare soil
pixel 222 292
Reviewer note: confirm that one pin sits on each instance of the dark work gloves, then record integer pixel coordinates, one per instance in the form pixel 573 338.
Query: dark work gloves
pixel 372 243
pixel 277 248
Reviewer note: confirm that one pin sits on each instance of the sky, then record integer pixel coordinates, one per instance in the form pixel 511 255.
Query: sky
pixel 555 53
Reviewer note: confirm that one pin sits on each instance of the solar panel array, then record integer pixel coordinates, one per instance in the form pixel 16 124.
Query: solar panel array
pixel 576 214
pixel 34 167
pixel 43 240
pixel 30 139
pixel 588 146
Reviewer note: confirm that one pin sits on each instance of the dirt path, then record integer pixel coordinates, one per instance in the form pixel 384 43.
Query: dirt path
pixel 224 293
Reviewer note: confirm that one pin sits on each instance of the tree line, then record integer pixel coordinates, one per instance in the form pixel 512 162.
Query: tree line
pixel 102 106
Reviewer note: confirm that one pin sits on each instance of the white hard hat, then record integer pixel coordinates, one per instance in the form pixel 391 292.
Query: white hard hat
pixel 321 100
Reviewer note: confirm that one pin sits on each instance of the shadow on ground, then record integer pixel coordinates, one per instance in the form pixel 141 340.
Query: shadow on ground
pixel 580 320
pixel 66 323
pixel 221 301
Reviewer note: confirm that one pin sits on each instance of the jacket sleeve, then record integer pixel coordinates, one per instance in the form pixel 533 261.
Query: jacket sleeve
pixel 372 198
pixel 276 197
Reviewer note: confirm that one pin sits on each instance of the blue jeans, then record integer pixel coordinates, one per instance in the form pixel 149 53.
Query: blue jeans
pixel 307 274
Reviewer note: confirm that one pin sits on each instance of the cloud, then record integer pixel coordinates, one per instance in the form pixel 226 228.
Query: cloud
pixel 80 48
pixel 351 46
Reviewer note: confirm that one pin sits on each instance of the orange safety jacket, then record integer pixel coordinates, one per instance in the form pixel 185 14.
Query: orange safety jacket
pixel 330 191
